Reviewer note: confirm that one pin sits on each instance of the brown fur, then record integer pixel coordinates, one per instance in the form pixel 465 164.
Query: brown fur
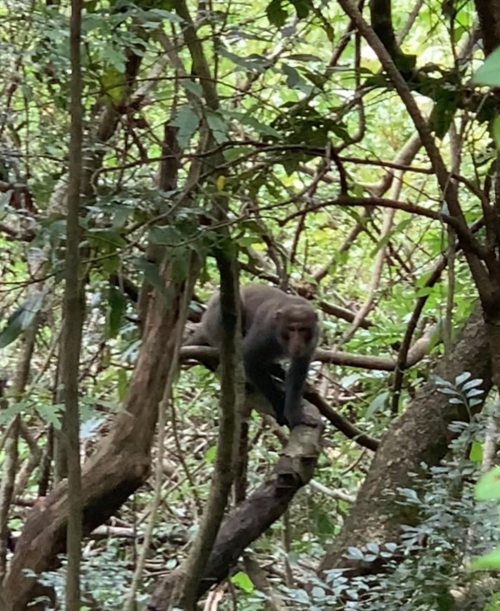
pixel 275 326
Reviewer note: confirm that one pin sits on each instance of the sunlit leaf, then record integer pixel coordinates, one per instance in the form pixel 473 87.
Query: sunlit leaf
pixel 210 454
pixel 121 383
pixel 488 486
pixel 221 179
pixel 113 83
pixel 242 580
pixel 489 73
pixel 476 452
pixel 488 561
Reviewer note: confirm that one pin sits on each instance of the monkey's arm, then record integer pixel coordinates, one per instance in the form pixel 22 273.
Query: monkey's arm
pixel 294 388
pixel 198 336
pixel 257 350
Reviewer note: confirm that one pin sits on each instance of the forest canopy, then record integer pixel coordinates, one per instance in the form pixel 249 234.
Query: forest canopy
pixel 153 152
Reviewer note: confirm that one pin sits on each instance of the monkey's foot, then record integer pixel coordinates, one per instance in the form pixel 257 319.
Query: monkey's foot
pixel 306 420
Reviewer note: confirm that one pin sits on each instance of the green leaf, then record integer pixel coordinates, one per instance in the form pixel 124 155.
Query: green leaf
pixel 112 81
pixel 323 523
pixel 187 121
pixel 253 62
pixel 318 593
pixel 179 263
pixel 117 308
pixel 488 561
pixel 120 216
pixel 14 409
pixel 488 486
pixel 243 580
pixel 51 414
pixel 12 329
pixel 495 130
pixel 355 553
pixel 21 318
pixel 302 7
pixel 111 264
pixel 260 128
pixel 377 404
pixel 472 384
pixel 153 276
pixel 476 452
pixel 276 13
pixel 163 14
pixel 463 377
pixel 122 383
pixel 305 57
pixel 193 87
pixel 166 235
pixel 494 604
pixel 442 114
pixel 292 76
pixel 210 454
pixel 217 125
pixel 105 239
pixel 489 73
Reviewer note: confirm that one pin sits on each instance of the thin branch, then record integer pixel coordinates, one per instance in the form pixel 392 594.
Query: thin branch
pixel 74 312
pixel 448 188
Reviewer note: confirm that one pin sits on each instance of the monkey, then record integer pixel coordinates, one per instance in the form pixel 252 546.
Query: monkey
pixel 274 326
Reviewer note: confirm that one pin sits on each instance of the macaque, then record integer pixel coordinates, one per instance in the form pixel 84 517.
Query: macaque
pixel 275 326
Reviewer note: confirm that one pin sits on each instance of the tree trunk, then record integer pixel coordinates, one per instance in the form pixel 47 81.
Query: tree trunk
pixel 120 466
pixel 420 435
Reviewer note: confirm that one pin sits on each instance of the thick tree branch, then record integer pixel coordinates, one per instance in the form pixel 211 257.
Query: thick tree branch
pixel 254 515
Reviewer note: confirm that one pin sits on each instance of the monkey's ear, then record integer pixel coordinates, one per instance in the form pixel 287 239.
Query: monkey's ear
pixel 277 314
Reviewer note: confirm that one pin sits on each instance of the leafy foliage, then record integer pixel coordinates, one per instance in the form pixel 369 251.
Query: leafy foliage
pixel 306 135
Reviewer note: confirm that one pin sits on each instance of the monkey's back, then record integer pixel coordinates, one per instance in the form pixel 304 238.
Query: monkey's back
pixel 258 303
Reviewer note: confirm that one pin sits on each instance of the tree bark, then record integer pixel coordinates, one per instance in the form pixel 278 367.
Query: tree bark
pixel 120 466
pixel 253 516
pixel 488 12
pixel 420 435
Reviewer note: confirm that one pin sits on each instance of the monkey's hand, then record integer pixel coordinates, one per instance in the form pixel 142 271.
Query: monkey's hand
pixel 281 420
pixel 300 416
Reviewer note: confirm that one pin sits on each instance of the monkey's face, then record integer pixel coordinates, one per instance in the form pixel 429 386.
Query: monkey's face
pixel 298 330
